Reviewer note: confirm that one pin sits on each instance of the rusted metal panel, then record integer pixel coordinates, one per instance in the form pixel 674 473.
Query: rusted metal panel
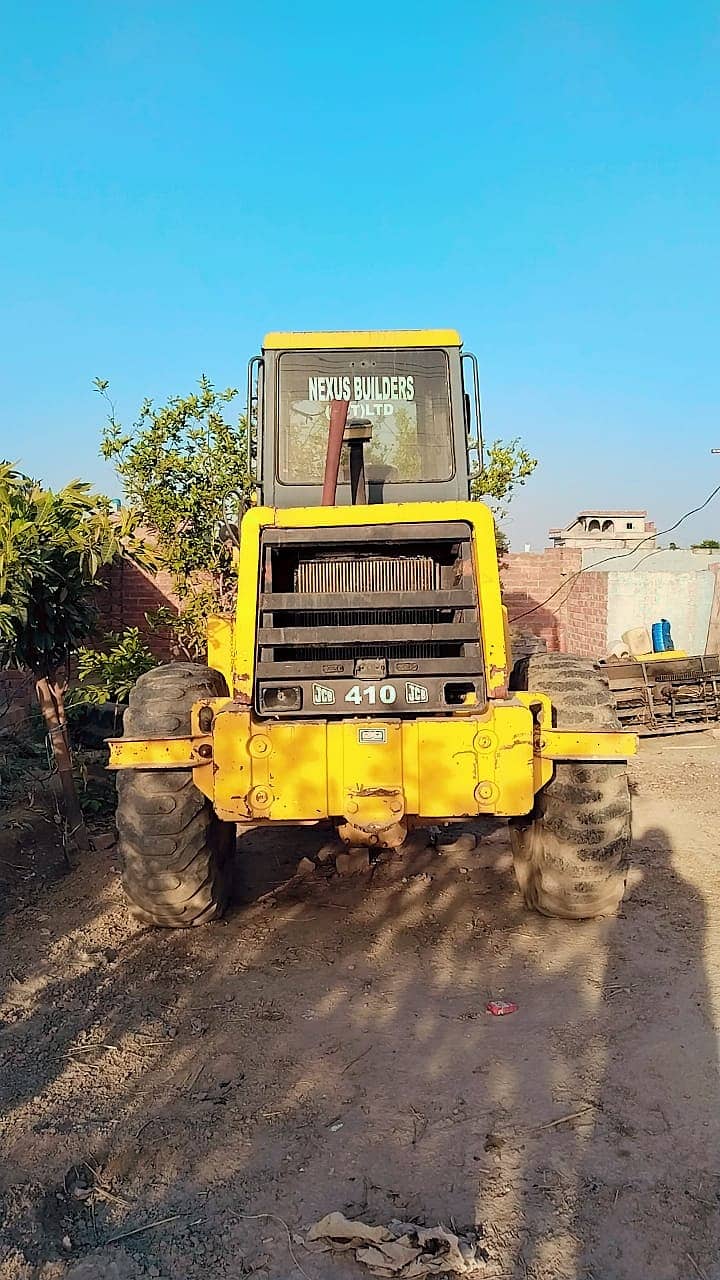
pixel 666 696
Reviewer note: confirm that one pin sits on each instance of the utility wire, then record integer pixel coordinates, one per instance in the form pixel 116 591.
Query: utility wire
pixel 618 555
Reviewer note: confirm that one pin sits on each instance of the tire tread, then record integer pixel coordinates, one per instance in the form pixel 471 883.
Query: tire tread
pixel 571 852
pixel 175 852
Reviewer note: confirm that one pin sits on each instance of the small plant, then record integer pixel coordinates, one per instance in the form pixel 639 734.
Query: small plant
pixel 96 788
pixel 108 674
pixel 53 549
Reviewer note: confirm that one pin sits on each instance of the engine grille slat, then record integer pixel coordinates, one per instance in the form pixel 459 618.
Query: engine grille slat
pixel 279 601
pixel 434 632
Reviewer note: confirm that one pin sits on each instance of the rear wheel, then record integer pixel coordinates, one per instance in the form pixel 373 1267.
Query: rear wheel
pixel 571 852
pixel 176 855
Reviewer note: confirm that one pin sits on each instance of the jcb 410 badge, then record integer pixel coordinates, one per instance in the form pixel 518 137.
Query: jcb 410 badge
pixel 385 694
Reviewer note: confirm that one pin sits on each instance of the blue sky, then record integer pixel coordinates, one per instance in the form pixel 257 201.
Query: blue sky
pixel 179 178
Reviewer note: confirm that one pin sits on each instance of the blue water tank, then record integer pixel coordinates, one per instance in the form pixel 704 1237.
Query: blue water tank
pixel 661 636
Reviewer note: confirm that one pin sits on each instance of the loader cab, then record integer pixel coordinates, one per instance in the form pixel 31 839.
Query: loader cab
pixel 407 403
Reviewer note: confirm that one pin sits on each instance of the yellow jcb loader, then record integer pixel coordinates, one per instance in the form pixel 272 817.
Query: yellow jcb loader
pixel 367 679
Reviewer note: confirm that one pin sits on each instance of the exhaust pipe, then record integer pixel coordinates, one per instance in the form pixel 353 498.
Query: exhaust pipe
pixel 338 419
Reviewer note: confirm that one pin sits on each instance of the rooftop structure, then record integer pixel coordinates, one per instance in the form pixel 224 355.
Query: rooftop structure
pixel 605 528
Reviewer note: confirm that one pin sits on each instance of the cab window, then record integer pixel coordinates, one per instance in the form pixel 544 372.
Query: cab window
pixel 405 394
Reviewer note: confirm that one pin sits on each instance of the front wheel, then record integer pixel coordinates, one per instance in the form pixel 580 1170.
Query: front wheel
pixel 571 852
pixel 176 854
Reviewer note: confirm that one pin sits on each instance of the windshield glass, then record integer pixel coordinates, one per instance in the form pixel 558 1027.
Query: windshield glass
pixel 403 393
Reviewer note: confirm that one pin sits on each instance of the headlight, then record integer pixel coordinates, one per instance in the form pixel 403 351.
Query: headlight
pixel 284 697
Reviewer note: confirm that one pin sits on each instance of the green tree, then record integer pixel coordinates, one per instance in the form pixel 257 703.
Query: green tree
pixel 507 467
pixel 709 544
pixel 185 466
pixel 53 548
pixel 108 674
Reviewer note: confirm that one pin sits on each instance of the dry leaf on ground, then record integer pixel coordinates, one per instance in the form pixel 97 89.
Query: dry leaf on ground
pixel 401 1249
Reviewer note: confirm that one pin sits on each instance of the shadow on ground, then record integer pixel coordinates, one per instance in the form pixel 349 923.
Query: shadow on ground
pixel 327 1047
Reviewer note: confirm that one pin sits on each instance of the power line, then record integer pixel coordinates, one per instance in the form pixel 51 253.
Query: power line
pixel 619 555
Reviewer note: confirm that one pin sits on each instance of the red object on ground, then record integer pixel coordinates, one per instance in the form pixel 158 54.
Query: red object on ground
pixel 501 1007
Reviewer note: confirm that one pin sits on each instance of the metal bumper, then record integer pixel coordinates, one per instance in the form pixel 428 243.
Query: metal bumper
pixel 370 773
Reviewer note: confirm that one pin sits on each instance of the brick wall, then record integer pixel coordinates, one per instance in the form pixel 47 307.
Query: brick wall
pixel 129 595
pixel 575 619
pixel 585 616
pixel 529 578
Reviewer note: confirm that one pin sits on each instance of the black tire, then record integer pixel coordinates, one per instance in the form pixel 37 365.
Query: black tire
pixel 571 852
pixel 176 855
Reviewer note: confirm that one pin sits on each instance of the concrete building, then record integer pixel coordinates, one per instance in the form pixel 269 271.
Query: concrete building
pixel 614 529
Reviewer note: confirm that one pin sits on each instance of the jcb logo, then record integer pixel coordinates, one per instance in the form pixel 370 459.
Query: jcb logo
pixel 415 692
pixel 322 695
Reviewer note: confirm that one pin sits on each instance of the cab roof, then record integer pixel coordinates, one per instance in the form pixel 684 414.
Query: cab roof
pixel 349 338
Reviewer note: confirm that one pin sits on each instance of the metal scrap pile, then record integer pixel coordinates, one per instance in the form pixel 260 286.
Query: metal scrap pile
pixel 668 695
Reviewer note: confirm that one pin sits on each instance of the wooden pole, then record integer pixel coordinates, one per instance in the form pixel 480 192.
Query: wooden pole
pixel 52 707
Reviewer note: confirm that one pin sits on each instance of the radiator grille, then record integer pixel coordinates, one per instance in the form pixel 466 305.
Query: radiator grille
pixel 367 573
pixel 329 602
pixel 367 576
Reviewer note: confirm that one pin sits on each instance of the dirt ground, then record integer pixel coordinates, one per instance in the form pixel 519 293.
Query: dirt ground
pixel 327 1047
